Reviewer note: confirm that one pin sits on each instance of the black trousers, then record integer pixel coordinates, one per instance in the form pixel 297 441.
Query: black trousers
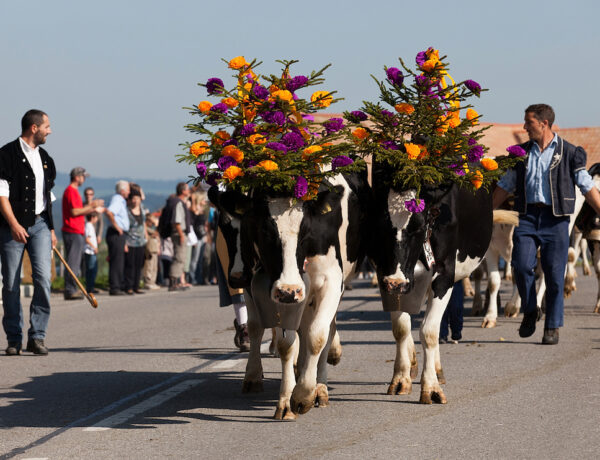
pixel 74 244
pixel 116 259
pixel 134 262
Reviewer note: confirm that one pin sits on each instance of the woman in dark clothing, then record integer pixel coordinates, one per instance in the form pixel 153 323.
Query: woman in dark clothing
pixel 135 243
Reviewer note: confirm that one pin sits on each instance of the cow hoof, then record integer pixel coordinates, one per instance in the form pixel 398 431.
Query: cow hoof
pixel 400 387
pixel 433 396
pixel 586 271
pixel 249 386
pixel 284 413
pixel 488 323
pixel 300 404
pixel 511 311
pixel 322 396
pixel 597 309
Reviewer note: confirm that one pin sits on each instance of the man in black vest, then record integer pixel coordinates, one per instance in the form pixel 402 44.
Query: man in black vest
pixel 544 187
pixel 27 175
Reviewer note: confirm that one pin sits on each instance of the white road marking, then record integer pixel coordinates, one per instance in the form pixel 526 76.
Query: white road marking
pixel 149 403
pixel 227 363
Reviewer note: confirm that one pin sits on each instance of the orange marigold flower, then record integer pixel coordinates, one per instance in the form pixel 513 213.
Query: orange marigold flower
pixel 321 98
pixel 268 165
pixel 232 172
pixel 309 151
pixel 453 119
pixel 489 164
pixel 404 108
pixel 444 125
pixel 204 106
pixel 229 102
pixel 432 53
pixel 273 89
pixel 237 63
pixel 429 65
pixel 220 137
pixel 424 153
pixel 233 152
pixel 477 179
pixel 360 133
pixel 249 114
pixel 472 116
pixel 284 95
pixel 199 148
pixel 412 150
pixel 257 139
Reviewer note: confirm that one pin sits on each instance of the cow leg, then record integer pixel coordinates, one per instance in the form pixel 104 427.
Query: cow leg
pixel 273 344
pixel 511 310
pixel 287 346
pixel 477 308
pixel 583 246
pixel 571 273
pixel 322 399
pixel 316 327
pixel 253 379
pixel 595 250
pixel 334 355
pixel 494 281
pixel 468 287
pixel 429 334
pixel 405 363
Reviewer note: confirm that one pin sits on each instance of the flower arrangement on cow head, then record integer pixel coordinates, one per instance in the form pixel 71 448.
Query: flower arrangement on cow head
pixel 424 130
pixel 261 135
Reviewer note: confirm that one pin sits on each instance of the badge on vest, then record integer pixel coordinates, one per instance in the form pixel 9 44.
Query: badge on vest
pixel 428 254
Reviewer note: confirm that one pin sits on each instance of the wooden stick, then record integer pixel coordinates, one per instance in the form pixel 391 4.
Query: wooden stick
pixel 90 297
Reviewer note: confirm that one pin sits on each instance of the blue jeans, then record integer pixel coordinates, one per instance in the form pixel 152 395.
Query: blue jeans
pixel 539 228
pixel 91 270
pixel 454 313
pixel 39 247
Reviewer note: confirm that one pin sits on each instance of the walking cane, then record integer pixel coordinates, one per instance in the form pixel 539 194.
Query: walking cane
pixel 90 297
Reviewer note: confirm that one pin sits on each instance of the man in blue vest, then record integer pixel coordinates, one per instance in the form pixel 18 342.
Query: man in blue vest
pixel 27 175
pixel 544 188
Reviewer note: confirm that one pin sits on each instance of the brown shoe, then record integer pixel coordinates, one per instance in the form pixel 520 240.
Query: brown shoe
pixel 241 338
pixel 13 349
pixel 550 337
pixel 37 347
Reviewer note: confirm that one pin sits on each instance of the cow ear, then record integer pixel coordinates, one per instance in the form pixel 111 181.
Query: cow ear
pixel 328 200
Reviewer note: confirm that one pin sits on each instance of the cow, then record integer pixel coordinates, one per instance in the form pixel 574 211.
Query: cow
pixel 296 257
pixel 425 253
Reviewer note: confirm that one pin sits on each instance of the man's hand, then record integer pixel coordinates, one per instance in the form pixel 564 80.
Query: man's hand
pixel 97 203
pixel 126 248
pixel 53 238
pixel 19 233
pixel 119 230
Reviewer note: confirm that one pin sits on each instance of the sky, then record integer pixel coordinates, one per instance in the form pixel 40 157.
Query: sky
pixel 114 76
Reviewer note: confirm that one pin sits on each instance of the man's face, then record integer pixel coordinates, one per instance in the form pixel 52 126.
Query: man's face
pixel 125 192
pixel 89 195
pixel 41 132
pixel 186 191
pixel 534 127
pixel 80 180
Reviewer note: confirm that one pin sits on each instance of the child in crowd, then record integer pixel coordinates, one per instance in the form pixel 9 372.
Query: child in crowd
pixel 91 252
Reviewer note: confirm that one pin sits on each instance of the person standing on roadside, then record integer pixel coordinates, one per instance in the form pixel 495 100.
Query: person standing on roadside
pixel 90 252
pixel 88 196
pixel 27 175
pixel 115 237
pixel 73 229
pixel 135 242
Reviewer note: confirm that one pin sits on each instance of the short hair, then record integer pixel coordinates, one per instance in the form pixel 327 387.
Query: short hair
pixel 121 185
pixel 32 117
pixel 542 112
pixel 88 189
pixel 181 186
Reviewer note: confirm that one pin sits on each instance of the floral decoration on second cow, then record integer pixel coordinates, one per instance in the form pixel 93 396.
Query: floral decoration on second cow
pixel 261 133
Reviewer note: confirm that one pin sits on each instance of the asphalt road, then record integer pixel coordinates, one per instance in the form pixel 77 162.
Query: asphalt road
pixel 157 376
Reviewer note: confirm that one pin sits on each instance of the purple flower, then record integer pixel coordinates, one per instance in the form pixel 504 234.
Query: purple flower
pixel 422 80
pixel 395 76
pixel 251 163
pixel 516 150
pixel 231 141
pixel 301 187
pixel 333 125
pixel 356 116
pixel 339 161
pixel 296 83
pixel 212 178
pixel 221 107
pixel 225 162
pixel 247 130
pixel 260 92
pixel 308 117
pixel 475 153
pixel 214 86
pixel 276 118
pixel 201 169
pixel 415 205
pixel 390 145
pixel 390 116
pixel 293 141
pixel 471 141
pixel 458 169
pixel 421 58
pixel 277 146
pixel 473 86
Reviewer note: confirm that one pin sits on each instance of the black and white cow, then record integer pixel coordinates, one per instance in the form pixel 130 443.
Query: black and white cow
pixel 302 252
pixel 455 228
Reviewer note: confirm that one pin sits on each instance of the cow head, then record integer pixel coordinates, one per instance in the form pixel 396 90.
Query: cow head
pixel 232 207
pixel 287 232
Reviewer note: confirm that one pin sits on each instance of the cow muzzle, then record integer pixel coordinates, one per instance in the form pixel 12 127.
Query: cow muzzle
pixel 395 285
pixel 288 293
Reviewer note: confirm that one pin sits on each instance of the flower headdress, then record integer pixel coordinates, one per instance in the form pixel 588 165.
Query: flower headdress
pixel 261 134
pixel 428 138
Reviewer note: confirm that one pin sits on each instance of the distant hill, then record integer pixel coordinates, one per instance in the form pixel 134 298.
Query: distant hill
pixel 156 192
